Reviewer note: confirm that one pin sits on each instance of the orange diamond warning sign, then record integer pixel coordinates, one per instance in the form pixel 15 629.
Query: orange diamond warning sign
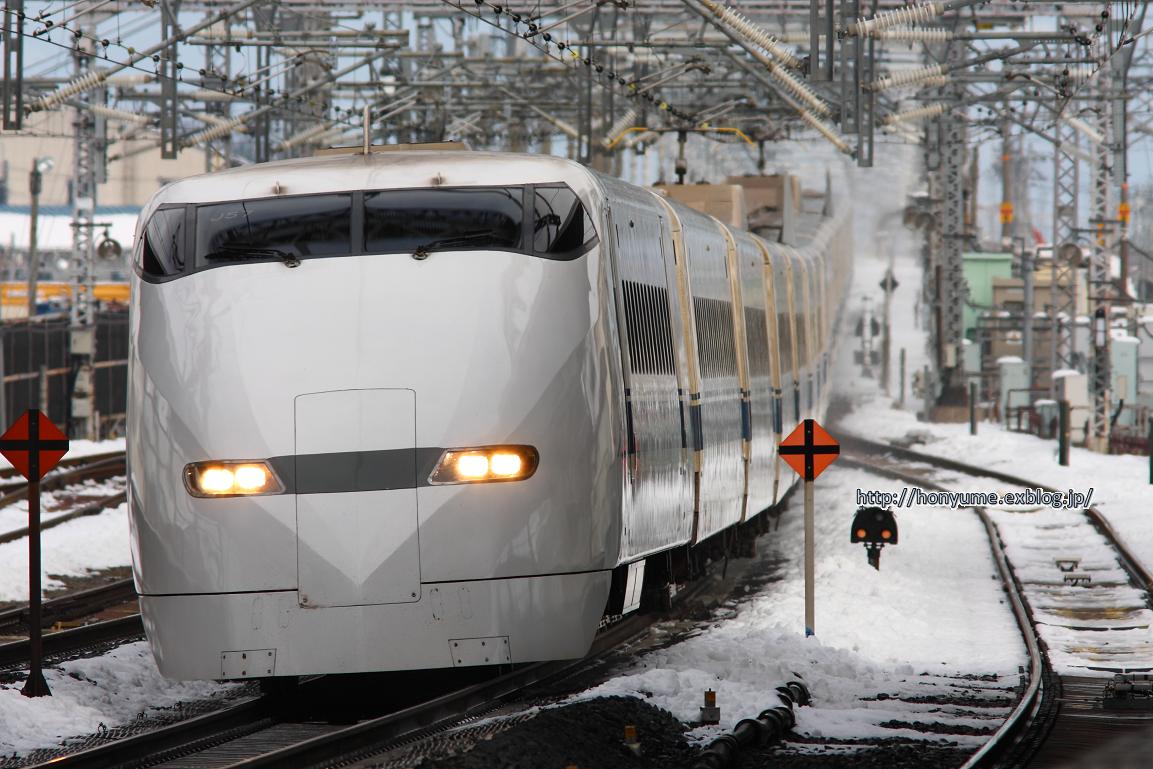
pixel 809 449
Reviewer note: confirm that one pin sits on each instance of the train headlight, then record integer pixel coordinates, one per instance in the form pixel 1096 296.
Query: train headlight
pixel 485 464
pixel 231 479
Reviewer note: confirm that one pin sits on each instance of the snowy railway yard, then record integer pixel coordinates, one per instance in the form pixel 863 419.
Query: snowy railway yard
pixel 917 664
pixel 914 664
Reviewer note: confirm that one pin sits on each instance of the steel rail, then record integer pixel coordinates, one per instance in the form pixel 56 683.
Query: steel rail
pixel 67 641
pixel 71 606
pixel 92 508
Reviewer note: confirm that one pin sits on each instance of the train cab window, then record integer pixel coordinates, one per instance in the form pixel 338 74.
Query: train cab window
pixel 162 250
pixel 562 227
pixel 462 219
pixel 269 228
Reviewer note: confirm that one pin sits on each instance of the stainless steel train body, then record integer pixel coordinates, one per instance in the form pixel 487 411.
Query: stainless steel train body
pixel 648 355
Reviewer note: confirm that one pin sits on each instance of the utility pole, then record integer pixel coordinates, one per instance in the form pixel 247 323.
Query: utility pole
pixel 35 187
pixel 953 289
pixel 1100 267
pixel 1066 252
pixel 87 172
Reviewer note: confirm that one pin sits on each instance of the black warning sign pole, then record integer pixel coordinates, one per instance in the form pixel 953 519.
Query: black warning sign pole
pixel 35 686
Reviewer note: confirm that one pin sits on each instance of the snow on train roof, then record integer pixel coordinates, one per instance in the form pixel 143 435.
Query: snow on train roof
pixel 378 170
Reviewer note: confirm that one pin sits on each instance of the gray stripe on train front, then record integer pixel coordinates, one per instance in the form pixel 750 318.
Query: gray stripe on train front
pixel 344 471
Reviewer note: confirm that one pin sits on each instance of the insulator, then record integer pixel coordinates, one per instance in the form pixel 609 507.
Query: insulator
pixel 565 128
pixel 634 139
pixel 623 123
pixel 216 132
pixel 825 131
pixel 303 136
pixel 108 113
pixel 753 33
pixel 79 85
pixel 934 82
pixel 907 77
pixel 205 95
pixel 1083 128
pixel 898 17
pixel 917 34
pixel 908 116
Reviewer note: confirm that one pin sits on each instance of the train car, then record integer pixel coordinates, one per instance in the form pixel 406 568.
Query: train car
pixel 426 409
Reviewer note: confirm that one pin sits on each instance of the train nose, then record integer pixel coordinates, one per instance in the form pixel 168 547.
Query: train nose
pixel 356 502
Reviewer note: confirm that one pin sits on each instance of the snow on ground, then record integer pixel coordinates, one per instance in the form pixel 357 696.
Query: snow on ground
pixel 74 548
pixel 59 502
pixel 89 693
pixel 933 610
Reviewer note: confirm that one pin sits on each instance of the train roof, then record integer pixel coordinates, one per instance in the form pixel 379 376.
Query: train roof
pixel 378 170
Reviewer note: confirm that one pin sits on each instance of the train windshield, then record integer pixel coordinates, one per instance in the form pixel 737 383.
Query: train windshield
pixel 542 220
pixel 408 221
pixel 312 225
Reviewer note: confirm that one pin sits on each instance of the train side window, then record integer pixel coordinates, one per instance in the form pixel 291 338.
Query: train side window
pixel 162 251
pixel 461 219
pixel 562 228
pixel 299 226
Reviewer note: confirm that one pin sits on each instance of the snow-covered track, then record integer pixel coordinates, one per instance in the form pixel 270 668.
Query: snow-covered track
pixel 11 481
pixel 95 637
pixel 1089 622
pixel 862 445
pixel 98 468
pixel 69 607
pixel 1038 698
pixel 268 731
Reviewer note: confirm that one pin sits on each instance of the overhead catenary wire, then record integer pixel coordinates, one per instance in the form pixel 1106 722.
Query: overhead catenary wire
pixel 96 77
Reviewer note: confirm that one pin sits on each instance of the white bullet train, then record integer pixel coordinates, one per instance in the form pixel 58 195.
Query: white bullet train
pixel 428 409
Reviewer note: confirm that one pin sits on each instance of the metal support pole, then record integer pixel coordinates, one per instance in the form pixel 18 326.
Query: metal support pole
pixel 35 686
pixel 1063 433
pixel 810 567
pixel 1100 267
pixel 12 41
pixel 972 408
pixel 35 185
pixel 901 400
pixel 1027 277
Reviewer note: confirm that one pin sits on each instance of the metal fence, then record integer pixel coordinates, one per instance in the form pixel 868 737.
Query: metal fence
pixel 38 372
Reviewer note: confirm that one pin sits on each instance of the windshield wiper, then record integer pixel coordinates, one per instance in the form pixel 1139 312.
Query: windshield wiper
pixel 424 249
pixel 236 251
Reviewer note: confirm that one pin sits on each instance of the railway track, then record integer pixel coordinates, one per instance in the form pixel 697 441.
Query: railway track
pixel 286 728
pixel 1073 581
pixel 98 467
pixel 68 608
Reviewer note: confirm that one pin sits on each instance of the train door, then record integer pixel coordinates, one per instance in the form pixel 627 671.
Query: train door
pixel 657 504
pixel 356 506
